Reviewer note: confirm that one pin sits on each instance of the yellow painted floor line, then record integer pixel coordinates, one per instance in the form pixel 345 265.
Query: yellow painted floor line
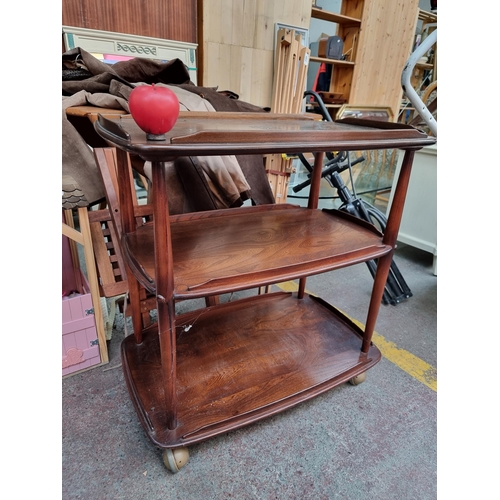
pixel 406 361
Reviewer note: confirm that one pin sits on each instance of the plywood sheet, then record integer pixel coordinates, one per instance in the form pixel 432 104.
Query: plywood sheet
pixel 238 49
pixel 385 44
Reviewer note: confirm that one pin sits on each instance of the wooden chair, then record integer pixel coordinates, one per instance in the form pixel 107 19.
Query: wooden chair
pixel 188 192
pixel 83 237
pixel 115 278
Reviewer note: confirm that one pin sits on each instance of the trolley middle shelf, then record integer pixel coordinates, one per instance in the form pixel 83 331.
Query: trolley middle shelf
pixel 227 250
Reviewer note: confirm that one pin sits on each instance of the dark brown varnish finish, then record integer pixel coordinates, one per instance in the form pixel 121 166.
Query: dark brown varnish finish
pixel 194 376
pixel 243 361
pixel 227 250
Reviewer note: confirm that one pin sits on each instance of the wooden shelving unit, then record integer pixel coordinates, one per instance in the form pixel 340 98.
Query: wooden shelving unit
pixel 200 374
pixel 348 28
pixel 346 64
pixel 378 39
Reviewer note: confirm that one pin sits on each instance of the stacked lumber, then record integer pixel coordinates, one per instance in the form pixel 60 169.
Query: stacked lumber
pixel 290 73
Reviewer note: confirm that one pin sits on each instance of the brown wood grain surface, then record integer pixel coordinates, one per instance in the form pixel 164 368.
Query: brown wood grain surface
pixel 251 246
pixel 238 135
pixel 222 367
pixel 242 361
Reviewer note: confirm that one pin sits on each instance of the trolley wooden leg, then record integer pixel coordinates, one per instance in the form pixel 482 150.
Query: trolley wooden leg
pixel 383 266
pixel 165 291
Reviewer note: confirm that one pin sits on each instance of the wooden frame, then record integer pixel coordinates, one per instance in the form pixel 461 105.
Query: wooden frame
pixel 382 113
pixel 84 238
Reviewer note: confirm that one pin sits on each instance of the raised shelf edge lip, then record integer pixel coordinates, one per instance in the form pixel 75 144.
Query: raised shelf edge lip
pixel 241 149
pixel 410 138
pixel 220 285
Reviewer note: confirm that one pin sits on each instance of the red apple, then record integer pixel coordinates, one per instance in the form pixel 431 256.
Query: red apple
pixel 154 109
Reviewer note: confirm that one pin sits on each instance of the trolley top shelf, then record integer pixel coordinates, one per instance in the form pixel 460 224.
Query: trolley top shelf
pixel 251 133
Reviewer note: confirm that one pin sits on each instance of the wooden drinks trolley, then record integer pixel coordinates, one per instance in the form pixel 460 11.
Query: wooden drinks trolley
pixel 196 375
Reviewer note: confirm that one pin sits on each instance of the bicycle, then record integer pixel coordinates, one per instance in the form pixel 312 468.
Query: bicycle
pixel 396 288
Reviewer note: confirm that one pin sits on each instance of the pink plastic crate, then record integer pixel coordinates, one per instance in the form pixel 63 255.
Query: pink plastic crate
pixel 80 346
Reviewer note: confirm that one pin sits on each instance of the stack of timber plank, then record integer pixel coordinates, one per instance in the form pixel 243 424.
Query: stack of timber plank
pixel 290 73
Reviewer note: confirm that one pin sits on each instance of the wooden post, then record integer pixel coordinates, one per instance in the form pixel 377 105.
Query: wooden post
pixel 164 277
pixel 390 237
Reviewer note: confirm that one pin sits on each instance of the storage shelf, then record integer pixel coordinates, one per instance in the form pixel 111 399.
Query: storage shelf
pixel 336 62
pixel 332 17
pixel 243 361
pixel 226 250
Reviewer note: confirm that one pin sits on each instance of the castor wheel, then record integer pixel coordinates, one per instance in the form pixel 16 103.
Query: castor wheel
pixel 358 379
pixel 175 459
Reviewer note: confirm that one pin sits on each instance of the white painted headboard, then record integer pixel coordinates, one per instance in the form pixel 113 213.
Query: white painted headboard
pixel 106 44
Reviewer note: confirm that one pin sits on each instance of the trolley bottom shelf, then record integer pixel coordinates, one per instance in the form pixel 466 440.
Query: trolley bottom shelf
pixel 242 361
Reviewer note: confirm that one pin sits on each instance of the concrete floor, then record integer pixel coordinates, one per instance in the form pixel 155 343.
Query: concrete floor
pixel 372 441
